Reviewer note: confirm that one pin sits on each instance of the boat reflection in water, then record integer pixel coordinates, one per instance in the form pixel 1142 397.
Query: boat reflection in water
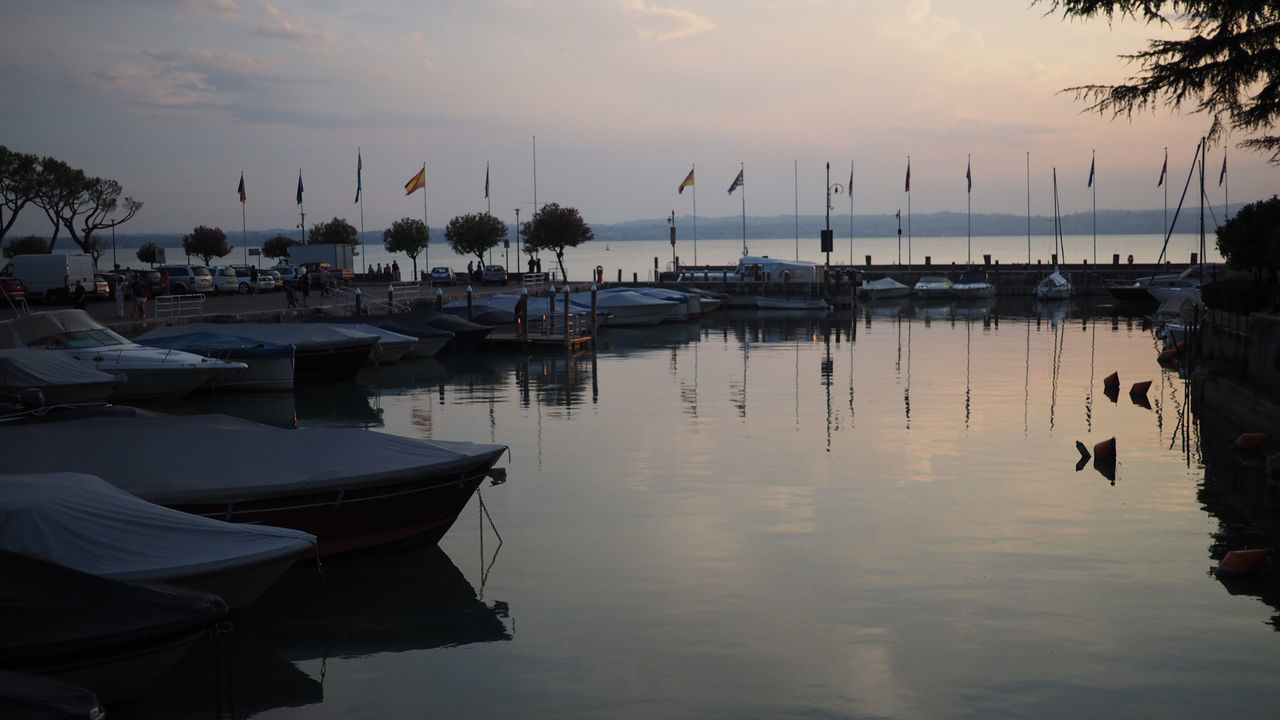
pixel 338 404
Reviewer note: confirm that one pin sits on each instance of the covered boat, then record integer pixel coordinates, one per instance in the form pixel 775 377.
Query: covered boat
pixel 84 523
pixel 32 697
pixel 320 352
pixel 777 303
pixel 1054 286
pixel 112 638
pixel 429 340
pixel 883 288
pixel 60 379
pixel 351 488
pixel 269 364
pixel 628 307
pixel 933 287
pixel 973 284
pixel 149 373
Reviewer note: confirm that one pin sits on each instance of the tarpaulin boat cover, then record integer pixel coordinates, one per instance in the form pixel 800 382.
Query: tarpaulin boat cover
pixel 32 697
pixel 27 367
pixel 83 522
pixel 302 336
pixel 200 459
pixel 226 346
pixel 49 613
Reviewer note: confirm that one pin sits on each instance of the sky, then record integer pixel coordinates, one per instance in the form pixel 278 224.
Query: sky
pixel 615 99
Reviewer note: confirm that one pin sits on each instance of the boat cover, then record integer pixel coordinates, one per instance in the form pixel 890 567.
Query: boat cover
pixel 221 345
pixel 201 459
pixel 883 284
pixel 622 298
pixel 83 522
pixel 38 329
pixel 28 367
pixel 32 697
pixel 303 336
pixel 52 613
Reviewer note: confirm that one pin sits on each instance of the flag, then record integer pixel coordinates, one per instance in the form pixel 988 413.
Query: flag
pixel 1090 174
pixel 1223 175
pixel 486 179
pixel 359 169
pixel 299 187
pixel 419 180
pixel 688 182
pixel 908 185
pixel 851 181
pixel 737 183
pixel 1164 169
pixel 240 189
pixel 899 214
pixel 968 175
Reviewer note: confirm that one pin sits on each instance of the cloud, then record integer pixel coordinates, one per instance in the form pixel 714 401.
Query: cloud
pixel 663 23
pixel 281 27
pixel 224 9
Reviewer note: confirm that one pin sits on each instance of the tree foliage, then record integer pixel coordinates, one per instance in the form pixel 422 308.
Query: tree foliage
pixel 554 228
pixel 206 243
pixel 19 185
pixel 68 197
pixel 334 232
pixel 278 246
pixel 148 253
pixel 1227 66
pixel 408 236
pixel 1251 239
pixel 29 245
pixel 474 234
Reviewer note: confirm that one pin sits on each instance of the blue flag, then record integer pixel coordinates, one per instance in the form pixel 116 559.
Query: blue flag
pixel 737 183
pixel 1090 174
pixel 299 187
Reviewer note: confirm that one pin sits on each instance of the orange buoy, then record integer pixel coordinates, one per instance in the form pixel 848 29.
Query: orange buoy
pixel 1242 562
pixel 1105 450
pixel 1111 381
pixel 1140 388
pixel 1251 441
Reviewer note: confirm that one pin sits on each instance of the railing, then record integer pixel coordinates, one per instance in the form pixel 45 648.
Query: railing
pixel 534 281
pixel 179 305
pixel 369 303
pixel 579 325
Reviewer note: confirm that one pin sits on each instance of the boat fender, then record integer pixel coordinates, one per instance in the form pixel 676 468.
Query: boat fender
pixel 1251 441
pixel 1111 381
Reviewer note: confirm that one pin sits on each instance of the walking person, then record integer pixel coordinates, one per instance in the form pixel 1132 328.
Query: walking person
pixel 140 297
pixel 395 271
pixel 305 282
pixel 79 295
pixel 119 296
pixel 253 279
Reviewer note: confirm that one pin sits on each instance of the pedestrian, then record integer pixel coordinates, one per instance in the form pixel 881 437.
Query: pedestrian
pixel 253 278
pixel 119 296
pixel 395 270
pixel 305 282
pixel 379 275
pixel 530 264
pixel 78 294
pixel 471 270
pixel 369 273
pixel 140 296
pixel 289 294
pixel 324 280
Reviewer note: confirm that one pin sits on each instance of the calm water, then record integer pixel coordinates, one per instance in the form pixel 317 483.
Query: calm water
pixel 876 515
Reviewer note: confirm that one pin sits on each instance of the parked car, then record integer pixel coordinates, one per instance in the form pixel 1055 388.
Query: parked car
pixel 288 273
pixel 101 287
pixel 276 278
pixel 112 279
pixel 184 279
pixel 154 281
pixel 494 274
pixel 13 288
pixel 225 280
pixel 442 276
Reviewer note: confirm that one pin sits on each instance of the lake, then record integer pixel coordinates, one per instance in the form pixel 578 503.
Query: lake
pixel 876 514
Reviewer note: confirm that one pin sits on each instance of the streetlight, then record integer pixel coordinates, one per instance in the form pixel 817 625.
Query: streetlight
pixel 518 244
pixel 827 238
pixel 672 222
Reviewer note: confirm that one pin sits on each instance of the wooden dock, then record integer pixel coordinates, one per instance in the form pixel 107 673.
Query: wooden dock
pixel 507 338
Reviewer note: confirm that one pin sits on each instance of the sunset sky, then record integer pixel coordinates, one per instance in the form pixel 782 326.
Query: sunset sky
pixel 175 98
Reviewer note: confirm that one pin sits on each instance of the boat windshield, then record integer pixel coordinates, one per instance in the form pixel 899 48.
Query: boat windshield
pixel 78 340
pixel 58 329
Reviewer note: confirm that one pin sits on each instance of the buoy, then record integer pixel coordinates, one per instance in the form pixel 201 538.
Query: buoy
pixel 1242 562
pixel 1105 450
pixel 1251 441
pixel 1084 451
pixel 1140 388
pixel 1111 381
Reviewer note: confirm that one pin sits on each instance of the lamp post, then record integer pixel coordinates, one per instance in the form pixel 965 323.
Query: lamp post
pixel 672 222
pixel 518 244
pixel 827 240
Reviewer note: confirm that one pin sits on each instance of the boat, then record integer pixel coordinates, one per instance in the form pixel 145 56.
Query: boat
pixel 1055 285
pixel 882 289
pixel 59 379
pixel 1186 284
pixel 112 638
pixel 84 523
pixel 148 373
pixel 973 284
pixel 430 340
pixel 503 307
pixel 774 303
pixel 933 287
pixel 391 345
pixel 321 352
pixel 351 488
pixel 467 335
pixel 269 364
pixel 630 308
pixel 32 697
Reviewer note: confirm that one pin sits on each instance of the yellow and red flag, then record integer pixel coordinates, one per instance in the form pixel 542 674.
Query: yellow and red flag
pixel 417 182
pixel 688 182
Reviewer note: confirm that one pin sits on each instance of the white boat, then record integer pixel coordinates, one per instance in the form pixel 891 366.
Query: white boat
pixel 776 303
pixel 84 523
pixel 629 307
pixel 973 284
pixel 688 305
pixel 538 306
pixel 59 379
pixel 1055 286
pixel 933 287
pixel 270 365
pixel 1185 284
pixel 148 372
pixel 883 288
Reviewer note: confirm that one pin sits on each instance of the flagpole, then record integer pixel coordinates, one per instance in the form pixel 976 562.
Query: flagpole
pixel 488 201
pixel 302 222
pixel 359 184
pixel 742 170
pixel 695 215
pixel 968 194
pixel 1028 208
pixel 909 263
pixel 244 228
pixel 851 214
pixel 1093 183
pixel 426 251
pixel 1226 206
pixel 795 173
pixel 1163 178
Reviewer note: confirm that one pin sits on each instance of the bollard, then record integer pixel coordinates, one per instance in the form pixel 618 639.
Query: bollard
pixel 868 263
pixel 1194 258
pixel 986 258
pixel 619 276
pixel 470 305
pixel 391 297
pixel 358 299
pixel 595 317
pixel 439 300
pixel 928 260
pixel 1115 258
pixel 635 278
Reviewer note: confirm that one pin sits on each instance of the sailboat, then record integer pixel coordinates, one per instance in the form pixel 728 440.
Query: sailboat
pixel 1056 286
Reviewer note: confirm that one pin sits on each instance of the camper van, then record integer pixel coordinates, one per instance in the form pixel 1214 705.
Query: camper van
pixel 51 276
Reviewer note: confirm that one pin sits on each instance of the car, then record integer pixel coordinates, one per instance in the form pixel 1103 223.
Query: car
pixel 13 288
pixel 245 282
pixel 276 278
pixel 494 274
pixel 153 280
pixel 112 279
pixel 225 280
pixel 441 275
pixel 187 279
pixel 288 273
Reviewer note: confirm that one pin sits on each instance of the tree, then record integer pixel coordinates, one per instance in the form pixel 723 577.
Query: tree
pixel 1228 66
pixel 29 245
pixel 335 232
pixel 206 243
pixel 59 186
pixel 19 185
pixel 1251 239
pixel 277 247
pixel 475 234
pixel 556 228
pixel 148 253
pixel 408 236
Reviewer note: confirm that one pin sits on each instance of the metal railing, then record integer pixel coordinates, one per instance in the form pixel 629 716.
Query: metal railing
pixel 179 305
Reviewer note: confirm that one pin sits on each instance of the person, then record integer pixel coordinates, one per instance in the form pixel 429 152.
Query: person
pixel 305 282
pixel 324 280
pixel 379 275
pixel 140 295
pixel 538 264
pixel 79 295
pixel 530 264
pixel 289 295
pixel 395 270
pixel 253 279
pixel 369 273
pixel 119 296
pixel 471 270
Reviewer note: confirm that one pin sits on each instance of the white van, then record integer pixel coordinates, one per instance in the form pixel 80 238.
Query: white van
pixel 51 276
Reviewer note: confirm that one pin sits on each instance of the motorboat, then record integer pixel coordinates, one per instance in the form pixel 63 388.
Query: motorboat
pixel 391 345
pixel 353 489
pixel 84 523
pixel 321 352
pixel 933 287
pixel 777 303
pixel 688 305
pixel 1185 284
pixel 148 373
pixel 973 284
pixel 269 364
pixel 629 308
pixel 112 638
pixel 504 305
pixel 430 340
pixel 467 335
pixel 883 288
pixel 23 695
pixel 60 379
pixel 1054 286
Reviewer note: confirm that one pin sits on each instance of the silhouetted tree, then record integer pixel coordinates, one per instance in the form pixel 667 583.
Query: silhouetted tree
pixel 206 243
pixel 335 232
pixel 148 253
pixel 556 228
pixel 29 245
pixel 1251 239
pixel 278 246
pixel 475 234
pixel 408 236
pixel 19 185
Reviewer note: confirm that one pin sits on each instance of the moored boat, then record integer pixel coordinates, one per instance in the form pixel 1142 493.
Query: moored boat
pixel 321 352
pixel 933 287
pixel 59 379
pixel 269 364
pixel 973 284
pixel 775 303
pixel 883 288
